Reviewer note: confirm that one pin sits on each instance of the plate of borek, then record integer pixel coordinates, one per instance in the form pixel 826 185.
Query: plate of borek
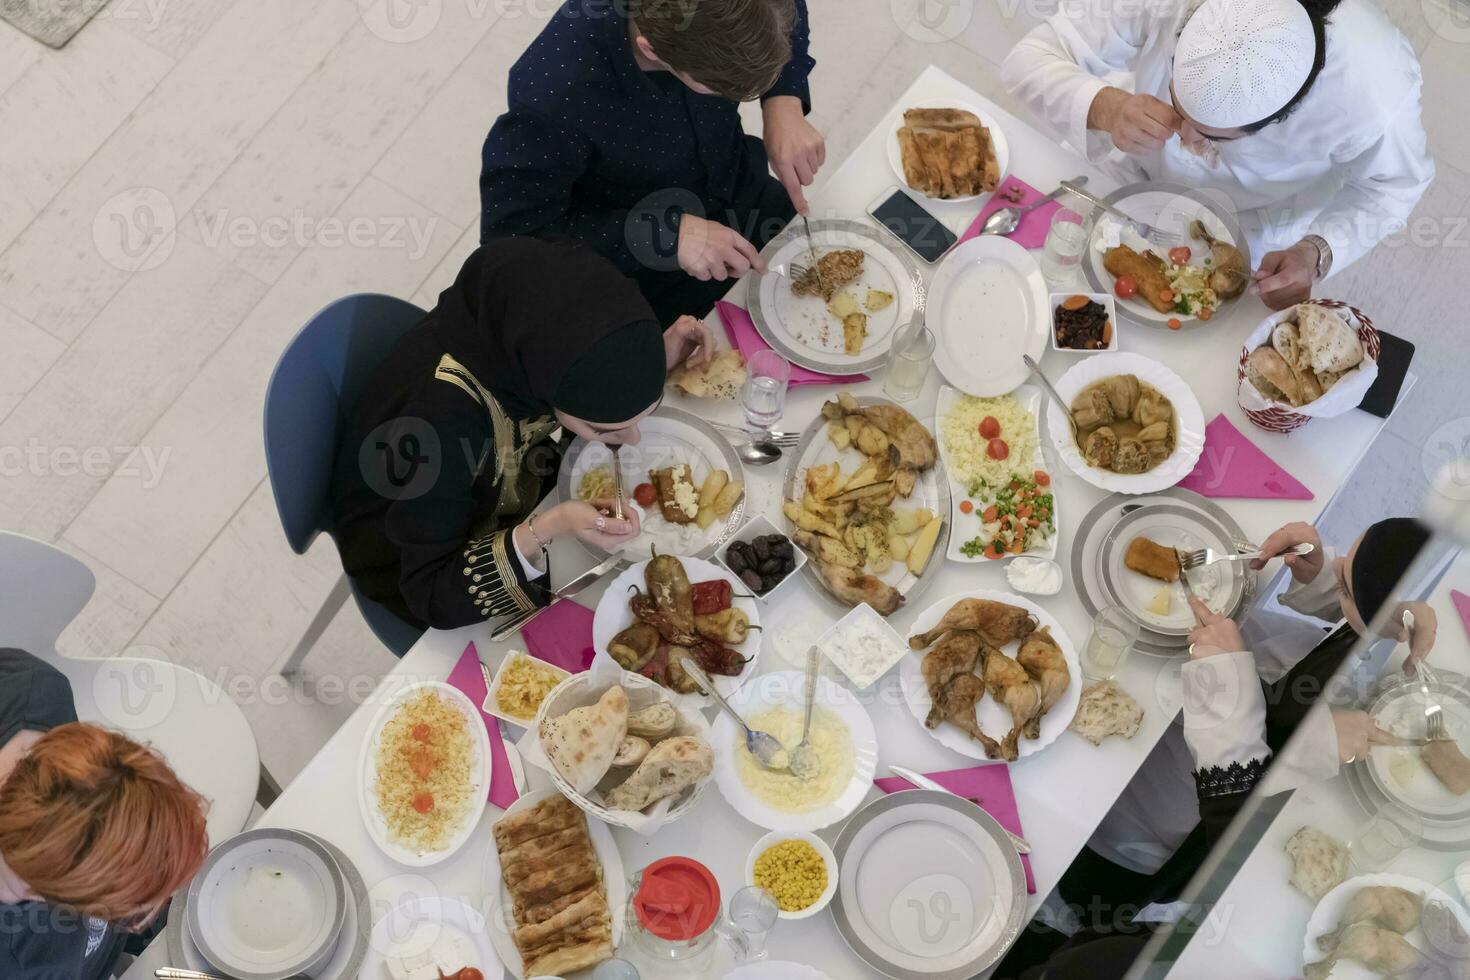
pixel 683 476
pixel 1003 499
pixel 841 316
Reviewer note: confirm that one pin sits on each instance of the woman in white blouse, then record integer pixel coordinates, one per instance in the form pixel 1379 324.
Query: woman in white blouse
pixel 1304 114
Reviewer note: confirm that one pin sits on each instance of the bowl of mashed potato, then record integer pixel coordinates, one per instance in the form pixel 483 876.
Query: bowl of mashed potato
pixel 842 739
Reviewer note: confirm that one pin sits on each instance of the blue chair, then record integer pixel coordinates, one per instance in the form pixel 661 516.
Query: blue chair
pixel 313 387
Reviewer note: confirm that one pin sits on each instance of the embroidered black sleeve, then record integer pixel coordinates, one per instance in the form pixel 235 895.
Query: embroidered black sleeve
pixel 1237 777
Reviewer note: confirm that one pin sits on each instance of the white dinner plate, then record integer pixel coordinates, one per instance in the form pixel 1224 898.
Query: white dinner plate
pixel 787 688
pixel 420 937
pixel 670 436
pixel 479 776
pixel 613 615
pixel 614 883
pixel 967 526
pixel 1399 770
pixel 801 329
pixel 994 719
pixel 997 137
pixel 1189 422
pixel 1169 208
pixel 1221 585
pixel 987 307
pixel 1329 910
pixel 929 886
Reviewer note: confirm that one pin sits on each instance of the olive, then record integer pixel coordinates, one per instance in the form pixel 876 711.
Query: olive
pixel 770 582
pixel 736 560
pixel 771 566
pixel 751 579
pixel 782 548
pixel 762 548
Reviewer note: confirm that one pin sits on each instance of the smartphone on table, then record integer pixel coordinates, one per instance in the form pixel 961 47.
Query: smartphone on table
pixel 903 218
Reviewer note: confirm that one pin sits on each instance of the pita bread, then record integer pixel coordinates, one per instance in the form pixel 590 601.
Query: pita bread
pixel 1288 344
pixel 722 377
pixel 582 742
pixel 1271 366
pixel 1331 344
pixel 670 767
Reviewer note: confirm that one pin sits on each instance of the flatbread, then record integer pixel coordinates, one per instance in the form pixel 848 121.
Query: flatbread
pixel 582 742
pixel 1331 344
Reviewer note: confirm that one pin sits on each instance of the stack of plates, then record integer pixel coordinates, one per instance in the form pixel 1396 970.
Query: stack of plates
pixel 271 904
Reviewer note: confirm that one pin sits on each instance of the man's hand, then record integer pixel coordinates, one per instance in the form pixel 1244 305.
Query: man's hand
pixel 795 148
pixel 1137 123
pixel 1285 278
pixel 710 250
pixel 1304 568
pixel 1214 634
pixel 688 338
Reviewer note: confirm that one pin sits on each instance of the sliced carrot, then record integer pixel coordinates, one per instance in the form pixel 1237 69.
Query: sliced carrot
pixel 1043 478
pixel 1175 323
pixel 1205 313
pixel 966 507
pixel 990 514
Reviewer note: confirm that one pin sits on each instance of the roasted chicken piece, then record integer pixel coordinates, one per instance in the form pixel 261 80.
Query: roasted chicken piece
pixel 956 705
pixel 1229 277
pixel 954 655
pixel 1012 687
pixel 998 623
pixel 1047 665
pixel 853 587
pixel 1384 953
pixel 1148 269
pixel 832 271
pixel 911 449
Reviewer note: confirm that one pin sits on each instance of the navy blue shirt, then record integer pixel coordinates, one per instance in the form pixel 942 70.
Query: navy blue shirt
pixel 591 145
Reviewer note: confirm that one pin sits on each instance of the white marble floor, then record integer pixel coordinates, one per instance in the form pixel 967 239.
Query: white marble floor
pixel 187 182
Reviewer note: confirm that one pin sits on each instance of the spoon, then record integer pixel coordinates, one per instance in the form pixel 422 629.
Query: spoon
pixel 804 763
pixel 1006 220
pixel 763 746
pixel 758 453
pixel 1036 370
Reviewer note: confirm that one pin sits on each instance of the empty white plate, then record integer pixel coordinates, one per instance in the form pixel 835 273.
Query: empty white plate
pixel 987 307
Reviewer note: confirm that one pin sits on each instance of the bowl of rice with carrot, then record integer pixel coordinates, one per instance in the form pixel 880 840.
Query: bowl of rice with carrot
pixel 426 773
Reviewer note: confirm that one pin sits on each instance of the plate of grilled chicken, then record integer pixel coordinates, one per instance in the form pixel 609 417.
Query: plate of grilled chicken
pixel 865 500
pixel 991 675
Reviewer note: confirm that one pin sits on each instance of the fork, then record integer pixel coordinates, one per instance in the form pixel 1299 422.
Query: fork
pixel 793 271
pixel 783 440
pixel 1208 556
pixel 1151 233
pixel 617 468
pixel 1433 712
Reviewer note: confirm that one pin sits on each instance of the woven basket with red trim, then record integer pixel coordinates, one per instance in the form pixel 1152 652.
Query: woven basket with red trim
pixel 1280 418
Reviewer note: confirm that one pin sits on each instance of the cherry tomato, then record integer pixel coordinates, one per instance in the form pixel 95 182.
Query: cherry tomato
pixel 1042 478
pixel 989 427
pixel 421 761
pixel 423 802
pixel 993 551
pixel 966 507
pixel 421 732
pixel 997 449
pixel 1179 254
pixel 1175 323
pixel 990 514
pixel 1205 313
pixel 470 973
pixel 645 494
pixel 1126 287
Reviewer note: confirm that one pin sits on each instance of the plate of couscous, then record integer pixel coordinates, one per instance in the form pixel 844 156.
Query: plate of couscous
pixel 424 773
pixel 797 868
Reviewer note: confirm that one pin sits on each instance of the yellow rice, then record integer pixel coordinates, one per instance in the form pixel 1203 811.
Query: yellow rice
pixel 449 748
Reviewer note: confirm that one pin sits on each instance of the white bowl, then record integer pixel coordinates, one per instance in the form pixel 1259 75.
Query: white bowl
pixel 758 527
pixel 491 708
pixel 1106 299
pixel 898 646
pixel 822 848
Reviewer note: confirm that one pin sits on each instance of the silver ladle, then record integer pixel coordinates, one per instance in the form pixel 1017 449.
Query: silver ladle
pixel 804 763
pixel 763 747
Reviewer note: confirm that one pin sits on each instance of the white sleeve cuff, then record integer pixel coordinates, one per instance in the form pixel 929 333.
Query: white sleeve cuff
pixel 1317 598
pixel 1224 710
pixel 532 569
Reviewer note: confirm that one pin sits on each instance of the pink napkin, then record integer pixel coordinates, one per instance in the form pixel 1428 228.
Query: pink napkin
pixel 740 329
pixel 1232 466
pixel 562 635
pixel 1462 606
pixel 1031 232
pixel 469 678
pixel 991 784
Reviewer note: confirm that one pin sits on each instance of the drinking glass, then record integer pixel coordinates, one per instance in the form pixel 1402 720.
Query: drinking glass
pixel 615 969
pixel 1113 634
pixel 1065 241
pixel 764 395
pixel 753 912
pixel 1386 835
pixel 908 361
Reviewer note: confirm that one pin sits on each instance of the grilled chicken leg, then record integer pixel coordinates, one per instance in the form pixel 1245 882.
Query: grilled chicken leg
pixel 1044 661
pixel 956 705
pixel 1011 686
pixel 1229 277
pixel 998 623
pixel 956 654
pixel 853 586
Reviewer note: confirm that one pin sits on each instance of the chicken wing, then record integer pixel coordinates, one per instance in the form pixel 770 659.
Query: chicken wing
pixel 1044 661
pixel 1012 687
pixel 998 623
pixel 1148 269
pixel 956 705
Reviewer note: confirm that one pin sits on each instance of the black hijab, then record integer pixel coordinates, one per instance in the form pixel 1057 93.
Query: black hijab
pixel 1384 555
pixel 551 324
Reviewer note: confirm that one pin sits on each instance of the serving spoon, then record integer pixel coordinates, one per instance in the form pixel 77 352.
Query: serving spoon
pixel 758 453
pixel 1006 220
pixel 764 747
pixel 1067 411
pixel 804 763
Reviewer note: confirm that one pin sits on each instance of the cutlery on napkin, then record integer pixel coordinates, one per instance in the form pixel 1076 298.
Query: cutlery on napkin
pixel 1031 232
pixel 1230 465
pixel 468 676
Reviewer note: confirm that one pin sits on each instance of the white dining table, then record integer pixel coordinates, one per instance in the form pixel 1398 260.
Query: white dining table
pixel 1063 791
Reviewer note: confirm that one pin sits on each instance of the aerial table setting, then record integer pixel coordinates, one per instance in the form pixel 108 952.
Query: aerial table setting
pixel 906 615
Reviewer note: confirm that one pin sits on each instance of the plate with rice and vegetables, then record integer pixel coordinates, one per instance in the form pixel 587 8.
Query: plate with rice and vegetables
pixel 1002 499
pixel 424 773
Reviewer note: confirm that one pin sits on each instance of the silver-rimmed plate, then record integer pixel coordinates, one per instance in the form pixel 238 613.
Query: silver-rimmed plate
pixel 1170 208
pixel 931 491
pixel 929 886
pixel 1095 526
pixel 801 329
pixel 670 436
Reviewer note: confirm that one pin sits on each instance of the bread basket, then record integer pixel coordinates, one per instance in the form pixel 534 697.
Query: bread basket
pixel 1342 397
pixel 585 688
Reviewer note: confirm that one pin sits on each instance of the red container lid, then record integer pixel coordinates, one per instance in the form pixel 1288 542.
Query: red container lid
pixel 678 899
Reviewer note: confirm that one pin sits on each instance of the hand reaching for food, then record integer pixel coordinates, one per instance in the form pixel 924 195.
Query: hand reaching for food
pixel 795 148
pixel 1214 634
pixel 1137 123
pixel 1285 278
pixel 588 520
pixel 1304 568
pixel 1419 635
pixel 689 342
pixel 710 250
pixel 1357 733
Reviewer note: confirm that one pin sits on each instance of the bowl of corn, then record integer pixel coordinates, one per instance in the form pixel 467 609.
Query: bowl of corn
pixel 797 868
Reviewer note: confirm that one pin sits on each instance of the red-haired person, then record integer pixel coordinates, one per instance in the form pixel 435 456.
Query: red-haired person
pixel 96 832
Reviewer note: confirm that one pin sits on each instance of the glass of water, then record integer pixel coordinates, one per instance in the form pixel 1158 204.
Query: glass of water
pixel 908 361
pixel 1113 634
pixel 753 912
pixel 764 395
pixel 1388 833
pixel 1065 241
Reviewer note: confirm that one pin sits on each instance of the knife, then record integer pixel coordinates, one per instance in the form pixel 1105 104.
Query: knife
pixel 565 592
pixel 924 782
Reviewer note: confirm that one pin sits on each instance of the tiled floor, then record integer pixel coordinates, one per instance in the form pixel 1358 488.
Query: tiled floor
pixel 174 187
